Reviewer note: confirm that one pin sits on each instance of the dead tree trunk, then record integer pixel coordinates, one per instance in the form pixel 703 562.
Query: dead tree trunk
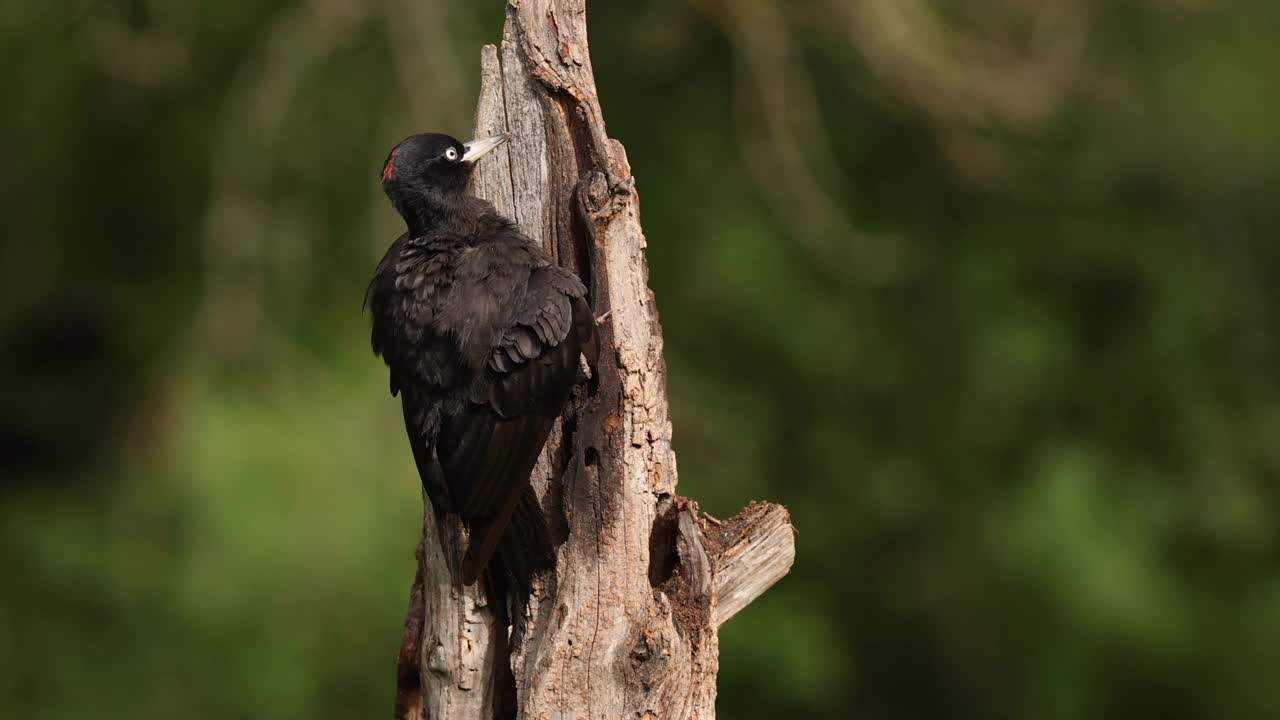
pixel 625 625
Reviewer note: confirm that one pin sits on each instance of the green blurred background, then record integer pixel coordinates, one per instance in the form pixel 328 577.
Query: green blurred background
pixel 977 288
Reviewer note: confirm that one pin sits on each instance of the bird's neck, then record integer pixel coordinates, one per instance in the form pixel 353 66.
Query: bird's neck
pixel 429 211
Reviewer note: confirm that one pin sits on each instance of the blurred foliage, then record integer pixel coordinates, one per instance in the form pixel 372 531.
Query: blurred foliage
pixel 977 289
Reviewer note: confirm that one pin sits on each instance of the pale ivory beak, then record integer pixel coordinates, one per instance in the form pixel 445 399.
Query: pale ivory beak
pixel 475 149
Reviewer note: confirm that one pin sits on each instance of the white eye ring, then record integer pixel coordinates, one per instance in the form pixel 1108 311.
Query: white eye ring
pixel 451 154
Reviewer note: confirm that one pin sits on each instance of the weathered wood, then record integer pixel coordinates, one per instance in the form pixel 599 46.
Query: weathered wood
pixel 755 549
pixel 463 650
pixel 625 624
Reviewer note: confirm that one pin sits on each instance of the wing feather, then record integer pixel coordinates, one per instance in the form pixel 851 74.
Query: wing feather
pixel 488 451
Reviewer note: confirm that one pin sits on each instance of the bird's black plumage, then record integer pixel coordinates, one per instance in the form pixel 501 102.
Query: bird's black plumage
pixel 482 334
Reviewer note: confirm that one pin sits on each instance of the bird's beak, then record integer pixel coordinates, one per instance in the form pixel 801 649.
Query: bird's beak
pixel 476 148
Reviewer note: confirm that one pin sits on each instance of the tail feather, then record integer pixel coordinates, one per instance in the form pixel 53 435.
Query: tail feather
pixel 516 543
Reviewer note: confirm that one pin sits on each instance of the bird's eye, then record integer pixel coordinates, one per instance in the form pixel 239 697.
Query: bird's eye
pixel 451 154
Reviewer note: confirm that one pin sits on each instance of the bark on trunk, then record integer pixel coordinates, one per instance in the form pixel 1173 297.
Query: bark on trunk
pixel 625 624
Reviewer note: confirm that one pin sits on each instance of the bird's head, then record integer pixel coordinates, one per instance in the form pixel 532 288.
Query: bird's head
pixel 427 174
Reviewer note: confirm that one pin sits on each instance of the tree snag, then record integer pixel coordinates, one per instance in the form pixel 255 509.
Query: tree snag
pixel 625 625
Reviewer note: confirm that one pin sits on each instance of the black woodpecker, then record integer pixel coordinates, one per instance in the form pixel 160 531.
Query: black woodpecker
pixel 482 334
